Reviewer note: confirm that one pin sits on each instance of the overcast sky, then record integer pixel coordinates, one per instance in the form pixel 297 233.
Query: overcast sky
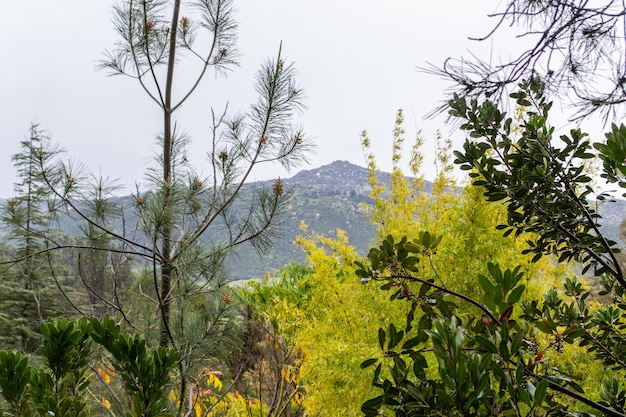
pixel 356 60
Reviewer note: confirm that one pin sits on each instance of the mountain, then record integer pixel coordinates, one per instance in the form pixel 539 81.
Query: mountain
pixel 342 176
pixel 328 198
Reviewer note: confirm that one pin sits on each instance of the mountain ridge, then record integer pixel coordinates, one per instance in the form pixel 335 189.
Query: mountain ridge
pixel 328 198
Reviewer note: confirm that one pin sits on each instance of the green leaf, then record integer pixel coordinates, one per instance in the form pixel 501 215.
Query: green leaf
pixel 410 317
pixel 517 342
pixel 377 372
pixel 541 392
pixel 530 387
pixel 412 342
pixel 486 344
pixel 525 396
pixel 425 288
pixel 486 284
pixel 504 350
pixel 516 294
pixel 369 362
pixel 545 326
pixel 371 406
pixel 395 336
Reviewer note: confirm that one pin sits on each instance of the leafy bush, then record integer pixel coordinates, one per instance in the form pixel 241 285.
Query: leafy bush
pixel 498 361
pixel 60 386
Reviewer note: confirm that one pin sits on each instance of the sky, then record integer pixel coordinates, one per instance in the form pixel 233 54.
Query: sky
pixel 357 61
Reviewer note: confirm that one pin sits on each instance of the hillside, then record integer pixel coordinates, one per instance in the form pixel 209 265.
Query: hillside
pixel 328 198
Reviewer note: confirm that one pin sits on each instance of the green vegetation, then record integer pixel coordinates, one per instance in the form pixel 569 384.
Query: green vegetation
pixel 502 296
pixel 165 275
pixel 495 361
pixel 28 291
pixel 332 318
pixel 466 331
pixel 60 386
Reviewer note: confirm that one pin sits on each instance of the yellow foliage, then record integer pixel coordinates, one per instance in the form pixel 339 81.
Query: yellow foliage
pixel 214 381
pixel 106 374
pixel 461 215
pixel 335 322
pixel 342 320
pixel 343 316
pixel 231 405
pixel 106 403
pixel 208 403
pixel 290 374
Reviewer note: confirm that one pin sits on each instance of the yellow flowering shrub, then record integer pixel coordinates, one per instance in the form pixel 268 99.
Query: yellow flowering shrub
pixel 333 319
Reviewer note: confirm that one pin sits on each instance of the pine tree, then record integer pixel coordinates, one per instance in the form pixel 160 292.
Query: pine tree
pixel 28 287
pixel 190 218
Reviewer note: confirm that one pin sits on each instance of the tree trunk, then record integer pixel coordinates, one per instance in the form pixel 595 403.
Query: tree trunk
pixel 166 266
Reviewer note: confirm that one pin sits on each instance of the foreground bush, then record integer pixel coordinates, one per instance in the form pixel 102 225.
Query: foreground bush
pixel 60 386
pixel 504 358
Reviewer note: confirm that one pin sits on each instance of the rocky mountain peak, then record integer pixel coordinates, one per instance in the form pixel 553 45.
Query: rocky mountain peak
pixel 340 175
